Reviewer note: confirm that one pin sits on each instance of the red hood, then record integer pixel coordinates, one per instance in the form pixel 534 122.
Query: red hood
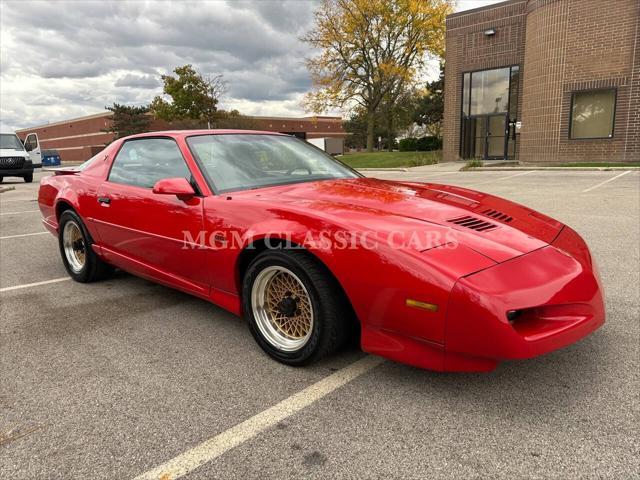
pixel 383 206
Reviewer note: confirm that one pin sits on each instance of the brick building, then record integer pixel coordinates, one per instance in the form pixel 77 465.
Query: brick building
pixel 81 138
pixel 544 81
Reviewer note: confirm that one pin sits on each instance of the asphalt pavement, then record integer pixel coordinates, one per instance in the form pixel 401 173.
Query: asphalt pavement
pixel 113 379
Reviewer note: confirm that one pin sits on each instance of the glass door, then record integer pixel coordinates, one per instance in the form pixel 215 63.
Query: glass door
pixel 497 134
pixel 485 137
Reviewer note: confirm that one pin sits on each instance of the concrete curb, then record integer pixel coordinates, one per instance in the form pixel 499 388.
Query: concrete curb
pixel 567 169
pixel 6 189
pixel 368 169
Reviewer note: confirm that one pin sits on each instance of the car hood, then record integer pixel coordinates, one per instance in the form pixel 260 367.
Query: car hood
pixel 435 214
pixel 10 152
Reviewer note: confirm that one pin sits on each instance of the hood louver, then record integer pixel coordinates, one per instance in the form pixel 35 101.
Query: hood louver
pixel 503 217
pixel 473 223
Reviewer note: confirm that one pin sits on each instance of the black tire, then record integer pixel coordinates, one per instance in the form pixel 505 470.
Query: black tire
pixel 332 317
pixel 1 179
pixel 94 267
pixel 28 178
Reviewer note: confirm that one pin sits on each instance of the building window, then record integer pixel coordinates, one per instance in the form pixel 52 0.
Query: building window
pixel 592 114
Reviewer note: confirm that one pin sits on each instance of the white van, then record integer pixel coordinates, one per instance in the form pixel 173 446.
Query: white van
pixel 16 159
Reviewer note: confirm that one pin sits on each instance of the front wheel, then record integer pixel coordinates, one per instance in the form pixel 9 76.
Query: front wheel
pixel 81 262
pixel 295 310
pixel 28 178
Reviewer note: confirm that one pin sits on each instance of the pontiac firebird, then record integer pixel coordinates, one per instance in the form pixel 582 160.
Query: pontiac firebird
pixel 226 215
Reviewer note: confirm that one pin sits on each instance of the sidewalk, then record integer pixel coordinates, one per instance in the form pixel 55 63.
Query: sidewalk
pixel 502 165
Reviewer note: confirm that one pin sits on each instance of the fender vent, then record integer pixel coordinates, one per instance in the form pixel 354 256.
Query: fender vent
pixel 473 223
pixel 503 217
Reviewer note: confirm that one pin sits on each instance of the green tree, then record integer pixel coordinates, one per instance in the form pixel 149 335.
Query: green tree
pixel 429 109
pixel 396 113
pixel 192 96
pixel 128 120
pixel 371 49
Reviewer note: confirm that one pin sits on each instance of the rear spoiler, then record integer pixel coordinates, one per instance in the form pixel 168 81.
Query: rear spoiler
pixel 63 170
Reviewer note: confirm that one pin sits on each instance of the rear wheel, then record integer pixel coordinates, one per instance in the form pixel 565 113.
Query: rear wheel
pixel 28 178
pixel 81 262
pixel 295 310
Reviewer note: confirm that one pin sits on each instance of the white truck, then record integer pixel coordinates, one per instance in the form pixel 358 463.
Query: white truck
pixel 333 146
pixel 16 159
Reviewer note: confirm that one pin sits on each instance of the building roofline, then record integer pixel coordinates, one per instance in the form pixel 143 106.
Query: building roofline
pixel 313 117
pixel 472 11
pixel 62 122
pixel 108 114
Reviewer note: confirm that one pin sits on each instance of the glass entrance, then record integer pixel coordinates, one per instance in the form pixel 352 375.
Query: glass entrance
pixel 484 137
pixel 489 111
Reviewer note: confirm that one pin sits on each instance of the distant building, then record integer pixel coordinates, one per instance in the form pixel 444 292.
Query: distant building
pixel 79 139
pixel 544 81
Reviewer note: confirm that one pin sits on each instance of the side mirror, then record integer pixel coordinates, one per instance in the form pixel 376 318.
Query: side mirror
pixel 178 186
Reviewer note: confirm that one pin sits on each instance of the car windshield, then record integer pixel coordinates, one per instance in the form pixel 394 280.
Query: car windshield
pixel 10 141
pixel 245 161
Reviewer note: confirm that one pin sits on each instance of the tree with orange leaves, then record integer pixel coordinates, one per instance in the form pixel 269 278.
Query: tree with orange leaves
pixel 371 50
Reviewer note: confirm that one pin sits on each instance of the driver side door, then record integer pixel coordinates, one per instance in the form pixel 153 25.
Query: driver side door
pixel 149 233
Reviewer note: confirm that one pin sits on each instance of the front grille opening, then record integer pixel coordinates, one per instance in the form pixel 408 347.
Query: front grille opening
pixel 503 217
pixel 11 162
pixel 473 223
pixel 512 315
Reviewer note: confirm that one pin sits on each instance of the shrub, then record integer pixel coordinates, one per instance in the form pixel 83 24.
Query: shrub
pixel 423 144
pixel 408 144
pixel 428 144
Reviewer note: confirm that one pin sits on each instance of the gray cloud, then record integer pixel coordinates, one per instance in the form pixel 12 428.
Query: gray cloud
pixel 64 59
pixel 138 81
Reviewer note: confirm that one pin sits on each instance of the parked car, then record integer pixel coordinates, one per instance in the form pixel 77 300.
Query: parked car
pixel 269 227
pixel 16 159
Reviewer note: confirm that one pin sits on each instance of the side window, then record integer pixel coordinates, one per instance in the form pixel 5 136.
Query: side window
pixel 143 162
pixel 30 143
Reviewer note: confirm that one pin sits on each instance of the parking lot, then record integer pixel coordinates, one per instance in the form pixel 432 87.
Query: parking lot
pixel 116 378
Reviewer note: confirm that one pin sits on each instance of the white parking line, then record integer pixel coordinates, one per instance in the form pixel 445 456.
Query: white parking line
pixel 519 174
pixel 2 200
pixel 36 284
pixel 23 235
pixel 225 441
pixel 606 181
pixel 516 175
pixel 16 213
pixel 434 174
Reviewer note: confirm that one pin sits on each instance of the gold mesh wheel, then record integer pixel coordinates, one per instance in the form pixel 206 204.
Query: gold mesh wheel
pixel 74 246
pixel 282 308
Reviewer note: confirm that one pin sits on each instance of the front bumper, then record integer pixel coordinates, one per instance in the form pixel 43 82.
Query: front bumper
pixel 555 291
pixel 26 169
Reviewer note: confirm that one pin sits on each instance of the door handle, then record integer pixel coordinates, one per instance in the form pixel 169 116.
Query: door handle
pixel 104 200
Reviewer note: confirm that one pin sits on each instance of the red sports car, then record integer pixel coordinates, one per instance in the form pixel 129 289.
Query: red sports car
pixel 311 252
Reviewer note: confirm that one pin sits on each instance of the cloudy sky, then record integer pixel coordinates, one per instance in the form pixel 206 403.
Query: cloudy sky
pixel 62 60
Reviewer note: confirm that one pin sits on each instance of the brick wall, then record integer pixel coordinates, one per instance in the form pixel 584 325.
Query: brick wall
pixel 81 138
pixel 575 45
pixel 75 140
pixel 542 93
pixel 561 46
